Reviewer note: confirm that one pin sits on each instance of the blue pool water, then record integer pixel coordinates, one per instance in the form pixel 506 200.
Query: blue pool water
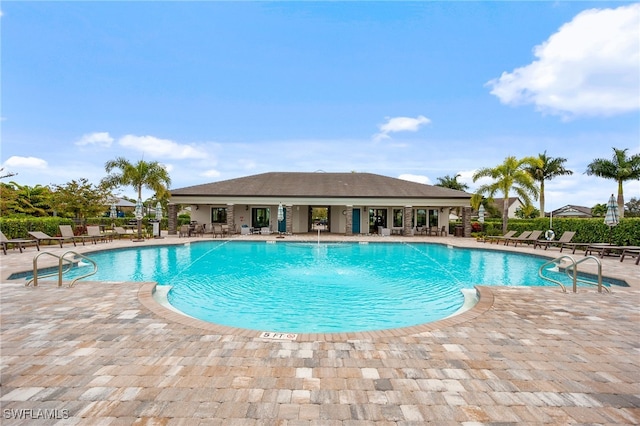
pixel 308 287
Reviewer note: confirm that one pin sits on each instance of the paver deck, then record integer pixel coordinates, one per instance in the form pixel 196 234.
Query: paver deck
pixel 104 354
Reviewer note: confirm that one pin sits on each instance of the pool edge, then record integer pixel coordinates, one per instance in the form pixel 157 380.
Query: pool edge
pixel 147 290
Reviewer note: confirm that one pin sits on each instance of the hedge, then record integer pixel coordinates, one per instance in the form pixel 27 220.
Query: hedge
pixel 626 233
pixel 20 227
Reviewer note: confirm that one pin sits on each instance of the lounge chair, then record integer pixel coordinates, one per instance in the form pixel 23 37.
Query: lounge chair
pixel 608 249
pixel 93 231
pixel 574 246
pixel 41 236
pixel 524 234
pixel 498 238
pixel 633 251
pixel 67 232
pixel 566 237
pixel 529 239
pixel 19 242
pixel 120 232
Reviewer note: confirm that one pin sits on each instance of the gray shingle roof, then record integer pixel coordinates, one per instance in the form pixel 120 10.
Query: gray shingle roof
pixel 290 184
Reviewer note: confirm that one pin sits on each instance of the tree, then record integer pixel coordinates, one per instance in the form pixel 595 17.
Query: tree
pixel 452 183
pixel 478 199
pixel 528 211
pixel 633 207
pixel 510 175
pixel 28 200
pixel 7 174
pixel 80 199
pixel 599 210
pixel 544 169
pixel 151 175
pixel 621 169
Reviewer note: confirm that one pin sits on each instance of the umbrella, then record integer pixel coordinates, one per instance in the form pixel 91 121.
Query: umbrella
pixel 280 213
pixel 158 211
pixel 138 212
pixel 280 219
pixel 611 218
pixel 114 212
pixel 481 214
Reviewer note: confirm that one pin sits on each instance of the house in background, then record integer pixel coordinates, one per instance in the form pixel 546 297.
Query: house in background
pixel 514 205
pixel 347 203
pixel 572 211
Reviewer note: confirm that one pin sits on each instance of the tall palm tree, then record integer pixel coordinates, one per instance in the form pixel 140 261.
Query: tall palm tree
pixel 151 175
pixel 547 168
pixel 510 175
pixel 621 169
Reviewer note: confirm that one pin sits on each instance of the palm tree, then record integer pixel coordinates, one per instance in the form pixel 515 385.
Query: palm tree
pixel 510 175
pixel 151 175
pixel 547 168
pixel 452 183
pixel 621 169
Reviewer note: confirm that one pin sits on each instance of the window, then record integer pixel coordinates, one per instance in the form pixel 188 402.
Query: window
pixel 433 217
pixel 397 218
pixel 377 218
pixel 421 217
pixel 219 215
pixel 260 217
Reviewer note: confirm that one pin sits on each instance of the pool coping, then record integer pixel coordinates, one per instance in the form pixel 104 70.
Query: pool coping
pixel 484 303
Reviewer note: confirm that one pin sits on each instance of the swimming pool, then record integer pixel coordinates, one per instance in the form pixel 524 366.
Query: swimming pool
pixel 317 288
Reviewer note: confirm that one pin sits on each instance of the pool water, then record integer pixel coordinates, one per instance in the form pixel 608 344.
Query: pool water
pixel 309 287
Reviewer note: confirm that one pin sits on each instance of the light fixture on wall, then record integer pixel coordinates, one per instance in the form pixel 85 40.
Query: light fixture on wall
pixel 197 207
pixel 246 208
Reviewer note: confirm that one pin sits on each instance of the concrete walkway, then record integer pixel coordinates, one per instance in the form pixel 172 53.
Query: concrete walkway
pixel 106 354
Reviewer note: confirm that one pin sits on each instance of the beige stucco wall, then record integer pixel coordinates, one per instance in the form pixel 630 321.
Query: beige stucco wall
pixel 299 221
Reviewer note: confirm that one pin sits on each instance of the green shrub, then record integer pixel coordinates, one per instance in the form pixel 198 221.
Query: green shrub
pixel 20 227
pixel 592 230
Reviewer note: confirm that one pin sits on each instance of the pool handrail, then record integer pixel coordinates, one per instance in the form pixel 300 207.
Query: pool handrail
pixel 60 270
pixel 572 272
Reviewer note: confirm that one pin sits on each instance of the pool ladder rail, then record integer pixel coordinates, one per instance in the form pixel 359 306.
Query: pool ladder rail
pixel 64 265
pixel 572 272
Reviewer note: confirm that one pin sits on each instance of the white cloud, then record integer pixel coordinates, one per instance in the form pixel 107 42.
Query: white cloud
pixel 400 124
pixel 415 178
pixel 25 162
pixel 590 67
pixel 161 148
pixel 212 173
pixel 96 138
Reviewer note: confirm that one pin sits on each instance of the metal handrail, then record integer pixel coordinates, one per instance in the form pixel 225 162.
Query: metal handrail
pixel 61 270
pixel 554 261
pixel 598 284
pixel 572 272
pixel 95 266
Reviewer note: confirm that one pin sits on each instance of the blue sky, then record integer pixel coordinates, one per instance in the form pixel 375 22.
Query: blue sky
pixel 418 90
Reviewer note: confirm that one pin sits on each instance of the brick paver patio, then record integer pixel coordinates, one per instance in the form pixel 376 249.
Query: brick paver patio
pixel 106 354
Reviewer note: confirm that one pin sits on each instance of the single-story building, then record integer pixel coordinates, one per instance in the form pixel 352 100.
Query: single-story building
pixel 346 203
pixel 572 211
pixel 513 203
